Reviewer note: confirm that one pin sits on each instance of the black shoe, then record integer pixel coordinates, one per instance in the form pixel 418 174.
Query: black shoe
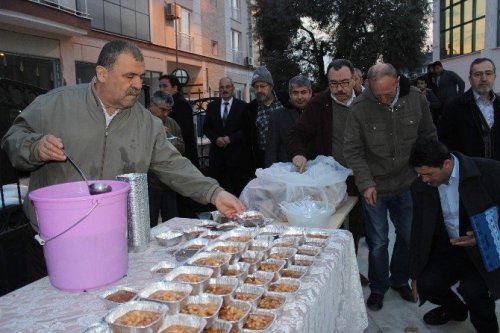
pixel 405 293
pixel 375 302
pixel 364 280
pixel 439 316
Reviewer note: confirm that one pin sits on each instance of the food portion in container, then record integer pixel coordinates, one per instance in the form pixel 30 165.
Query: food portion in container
pixel 231 313
pixel 283 287
pixel 181 323
pixel 169 238
pixel 164 267
pixel 201 310
pixel 294 272
pixel 251 218
pixel 308 250
pixel 258 321
pixel 191 278
pixel 271 302
pixel 180 329
pixel 168 295
pixel 138 318
pixel 121 296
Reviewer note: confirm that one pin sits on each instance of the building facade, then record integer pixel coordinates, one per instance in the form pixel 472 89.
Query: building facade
pixel 49 43
pixel 464 30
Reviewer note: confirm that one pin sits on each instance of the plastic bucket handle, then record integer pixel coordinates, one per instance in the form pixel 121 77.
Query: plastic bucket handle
pixel 42 242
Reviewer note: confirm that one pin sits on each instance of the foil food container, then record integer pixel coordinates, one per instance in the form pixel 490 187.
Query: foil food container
pixel 235 256
pixel 317 234
pixel 245 307
pixel 231 282
pixel 169 238
pixel 241 267
pixel 123 309
pixel 277 310
pixel 298 272
pixel 239 236
pixel 219 217
pixel 197 287
pixel 111 304
pixel 272 230
pixel 209 224
pixel 309 250
pixel 266 278
pixel 318 242
pixel 220 326
pixel 211 235
pixel 279 264
pixel 223 258
pixel 163 267
pixel 282 253
pixel 303 261
pixel 173 306
pixel 258 313
pixel 289 295
pixel 184 320
pixel 194 232
pixel 291 241
pixel 227 226
pixel 250 218
pixel 294 232
pixel 260 245
pixel 252 258
pixel 206 299
pixel 258 291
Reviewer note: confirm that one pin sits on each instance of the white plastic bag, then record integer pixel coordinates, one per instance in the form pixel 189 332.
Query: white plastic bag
pixel 323 180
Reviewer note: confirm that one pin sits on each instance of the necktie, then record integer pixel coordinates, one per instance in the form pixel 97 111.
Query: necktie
pixel 224 115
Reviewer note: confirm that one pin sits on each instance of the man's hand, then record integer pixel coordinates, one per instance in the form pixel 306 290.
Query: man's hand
pixel 220 142
pixel 300 163
pixel 226 140
pixel 370 196
pixel 50 148
pixel 467 240
pixel 228 204
pixel 414 290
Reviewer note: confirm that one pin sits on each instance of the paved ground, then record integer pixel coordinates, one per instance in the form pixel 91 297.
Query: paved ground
pixel 398 315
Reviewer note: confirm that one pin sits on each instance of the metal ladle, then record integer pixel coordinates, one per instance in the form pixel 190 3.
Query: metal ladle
pixel 94 188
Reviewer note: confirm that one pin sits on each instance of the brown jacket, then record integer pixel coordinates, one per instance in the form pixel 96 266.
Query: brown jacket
pixel 378 139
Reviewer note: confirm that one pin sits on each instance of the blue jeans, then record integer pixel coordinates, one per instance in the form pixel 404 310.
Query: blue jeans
pixel 377 229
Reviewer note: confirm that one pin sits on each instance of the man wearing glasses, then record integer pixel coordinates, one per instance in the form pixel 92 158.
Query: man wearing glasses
pixel 471 122
pixel 320 131
pixel 382 126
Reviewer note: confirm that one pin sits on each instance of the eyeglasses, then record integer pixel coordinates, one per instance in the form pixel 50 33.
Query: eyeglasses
pixel 336 84
pixel 479 75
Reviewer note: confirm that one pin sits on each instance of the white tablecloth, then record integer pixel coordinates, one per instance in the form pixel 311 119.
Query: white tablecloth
pixel 330 298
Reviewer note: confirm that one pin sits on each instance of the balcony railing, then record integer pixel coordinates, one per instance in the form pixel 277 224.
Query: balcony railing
pixel 75 7
pixel 238 57
pixel 236 13
pixel 185 42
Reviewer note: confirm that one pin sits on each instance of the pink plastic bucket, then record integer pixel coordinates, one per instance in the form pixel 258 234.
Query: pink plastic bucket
pixel 85 237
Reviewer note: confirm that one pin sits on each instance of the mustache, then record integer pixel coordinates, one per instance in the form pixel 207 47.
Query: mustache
pixel 133 92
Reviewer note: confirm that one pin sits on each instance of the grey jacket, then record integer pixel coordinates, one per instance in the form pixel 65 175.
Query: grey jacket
pixel 378 139
pixel 134 141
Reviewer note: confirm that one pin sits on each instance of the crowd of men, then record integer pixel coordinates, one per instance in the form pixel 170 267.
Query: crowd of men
pixel 426 159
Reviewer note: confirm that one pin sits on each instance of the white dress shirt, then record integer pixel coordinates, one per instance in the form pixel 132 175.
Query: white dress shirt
pixel 448 193
pixel 486 108
pixel 223 106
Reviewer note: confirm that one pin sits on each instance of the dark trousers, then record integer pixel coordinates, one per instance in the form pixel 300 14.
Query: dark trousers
pixel 356 216
pixel 232 179
pixel 448 265
pixel 162 200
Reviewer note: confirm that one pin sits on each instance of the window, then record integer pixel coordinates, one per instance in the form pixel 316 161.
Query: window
pixel 184 39
pixel 37 71
pixel 236 46
pixel 85 71
pixel 215 48
pixel 498 24
pixel 462 26
pixel 236 10
pixel 127 18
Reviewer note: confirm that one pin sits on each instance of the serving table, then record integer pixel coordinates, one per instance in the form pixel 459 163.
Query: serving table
pixel 330 298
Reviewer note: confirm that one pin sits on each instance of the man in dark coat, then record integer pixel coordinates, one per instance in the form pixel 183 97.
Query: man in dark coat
pixel 448 83
pixel 443 249
pixel 300 92
pixel 434 102
pixel 224 126
pixel 320 131
pixel 471 122
pixel 182 113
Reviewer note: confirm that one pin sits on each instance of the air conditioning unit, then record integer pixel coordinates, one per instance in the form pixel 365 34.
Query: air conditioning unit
pixel 248 61
pixel 172 11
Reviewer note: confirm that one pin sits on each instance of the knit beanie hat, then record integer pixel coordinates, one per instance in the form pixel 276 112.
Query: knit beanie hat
pixel 263 75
